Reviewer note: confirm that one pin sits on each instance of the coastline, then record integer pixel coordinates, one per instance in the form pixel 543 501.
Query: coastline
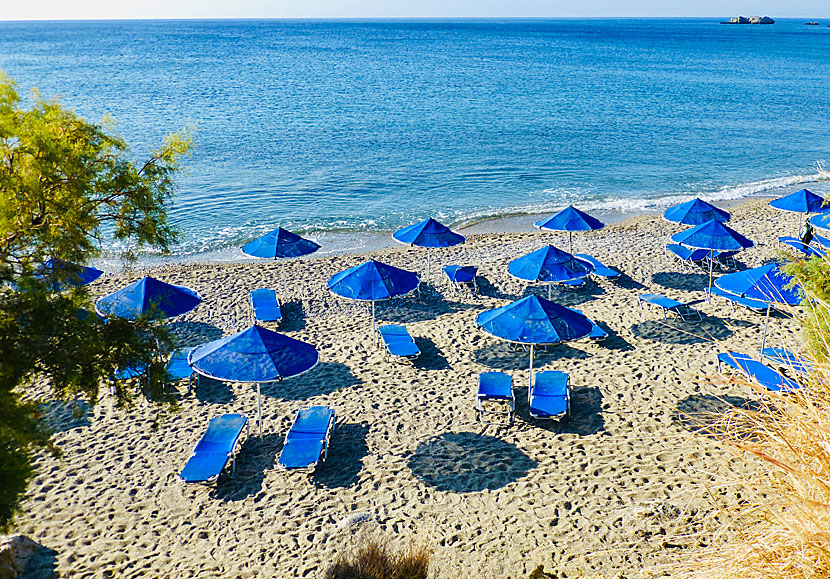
pixel 618 489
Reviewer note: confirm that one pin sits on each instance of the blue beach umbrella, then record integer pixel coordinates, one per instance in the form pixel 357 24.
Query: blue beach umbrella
pixel 253 355
pixel 280 244
pixel 65 274
pixel 714 236
pixel 548 265
pixel 695 212
pixel 372 281
pixel 148 295
pixel 766 283
pixel 534 321
pixel 570 219
pixel 821 221
pixel 803 201
pixel 428 233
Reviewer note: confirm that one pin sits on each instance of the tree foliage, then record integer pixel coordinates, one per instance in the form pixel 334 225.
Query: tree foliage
pixel 66 185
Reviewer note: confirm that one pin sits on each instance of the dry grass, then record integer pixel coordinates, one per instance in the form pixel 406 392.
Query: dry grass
pixel 374 560
pixel 781 527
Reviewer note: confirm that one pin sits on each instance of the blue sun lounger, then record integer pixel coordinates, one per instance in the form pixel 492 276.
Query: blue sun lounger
pixel 670 306
pixel 397 342
pixel 495 387
pixel 600 269
pixel 759 373
pixel 218 445
pixel 749 303
pixel 308 438
pixel 801 247
pixel 264 305
pixel 550 395
pixel 178 368
pixel 788 359
pixel 461 277
pixel 687 257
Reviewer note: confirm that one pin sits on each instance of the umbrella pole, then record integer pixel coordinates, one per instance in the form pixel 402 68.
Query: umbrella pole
pixel 374 332
pixel 259 408
pixel 764 339
pixel 530 384
pixel 428 265
pixel 711 260
pixel 570 242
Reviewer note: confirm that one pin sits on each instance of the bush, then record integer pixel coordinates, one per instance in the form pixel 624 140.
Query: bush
pixel 375 561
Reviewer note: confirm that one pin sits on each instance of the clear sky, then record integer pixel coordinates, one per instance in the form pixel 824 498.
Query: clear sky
pixel 118 9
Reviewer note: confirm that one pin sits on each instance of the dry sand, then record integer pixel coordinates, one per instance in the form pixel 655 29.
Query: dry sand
pixel 601 495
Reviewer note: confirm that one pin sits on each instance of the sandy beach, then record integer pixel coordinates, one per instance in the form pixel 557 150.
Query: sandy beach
pixel 602 495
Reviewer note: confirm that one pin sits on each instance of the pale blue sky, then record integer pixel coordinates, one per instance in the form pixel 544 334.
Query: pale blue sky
pixel 116 9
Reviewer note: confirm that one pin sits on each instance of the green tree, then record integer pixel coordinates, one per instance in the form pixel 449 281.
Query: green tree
pixel 66 185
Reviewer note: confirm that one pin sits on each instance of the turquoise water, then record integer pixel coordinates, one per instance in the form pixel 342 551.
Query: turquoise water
pixel 357 126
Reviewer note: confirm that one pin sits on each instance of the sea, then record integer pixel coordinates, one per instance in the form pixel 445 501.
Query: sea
pixel 345 130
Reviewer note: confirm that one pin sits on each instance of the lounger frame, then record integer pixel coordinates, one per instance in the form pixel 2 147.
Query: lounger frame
pixel 562 416
pixel 668 305
pixel 254 318
pixel 733 359
pixel 324 451
pixel 459 286
pixel 508 400
pixel 237 446
pixel 386 350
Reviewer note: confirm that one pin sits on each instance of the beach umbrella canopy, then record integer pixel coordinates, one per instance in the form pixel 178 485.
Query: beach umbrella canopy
pixel 548 265
pixel 534 321
pixel 280 244
pixel 714 236
pixel 255 354
pixel 428 233
pixel 766 283
pixel 148 295
pixel 695 212
pixel 66 274
pixel 803 201
pixel 372 281
pixel 570 219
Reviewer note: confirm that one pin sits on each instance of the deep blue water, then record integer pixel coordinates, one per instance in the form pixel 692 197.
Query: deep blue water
pixel 356 125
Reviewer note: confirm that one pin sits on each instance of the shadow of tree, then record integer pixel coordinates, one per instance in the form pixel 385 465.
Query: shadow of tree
pixel 212 391
pixel 675 331
pixel 431 357
pixel 681 280
pixel 61 416
pixel 466 462
pixel 347 450
pixel 258 455
pixel 700 413
pixel 507 356
pixel 194 333
pixel 326 378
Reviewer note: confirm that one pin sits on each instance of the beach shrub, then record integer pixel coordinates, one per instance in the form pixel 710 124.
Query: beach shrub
pixel 374 560
pixel 781 526
pixel 65 185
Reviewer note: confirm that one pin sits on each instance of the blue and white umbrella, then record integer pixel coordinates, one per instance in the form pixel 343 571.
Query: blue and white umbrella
pixel 766 283
pixel 714 236
pixel 148 296
pixel 428 234
pixel 549 265
pixel 695 212
pixel 372 281
pixel 255 354
pixel 570 219
pixel 534 321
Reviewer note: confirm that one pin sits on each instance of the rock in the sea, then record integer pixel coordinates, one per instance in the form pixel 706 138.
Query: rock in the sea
pixel 750 20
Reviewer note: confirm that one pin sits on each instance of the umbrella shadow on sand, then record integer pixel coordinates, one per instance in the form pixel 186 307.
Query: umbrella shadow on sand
pixel 507 356
pixel 681 280
pixel 324 379
pixel 564 296
pixel 675 331
pixel 466 462
pixel 431 357
pixel 411 310
pixel 194 333
pixel 293 316
pixel 586 412
pixel 347 450
pixel 486 288
pixel 257 456
pixel 210 391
